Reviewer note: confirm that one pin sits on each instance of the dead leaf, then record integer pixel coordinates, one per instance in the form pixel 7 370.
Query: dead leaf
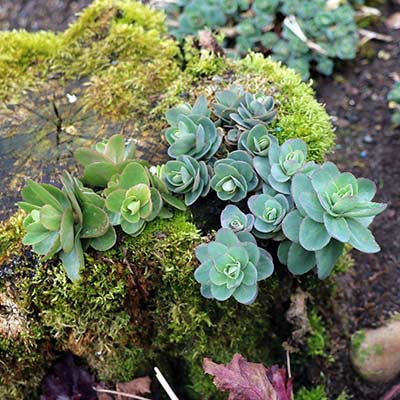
pixel 297 316
pixel 138 386
pixel 249 381
pixel 393 22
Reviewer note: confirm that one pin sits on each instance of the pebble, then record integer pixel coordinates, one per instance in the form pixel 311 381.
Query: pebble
pixel 368 139
pixel 375 353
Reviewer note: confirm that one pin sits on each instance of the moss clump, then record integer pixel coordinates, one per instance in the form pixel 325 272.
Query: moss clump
pixel 315 393
pixel 138 306
pixel 318 341
pixel 119 46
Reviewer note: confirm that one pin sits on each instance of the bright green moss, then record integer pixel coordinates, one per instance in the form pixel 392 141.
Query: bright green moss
pixel 119 46
pixel 11 233
pixel 318 341
pixel 315 393
pixel 24 58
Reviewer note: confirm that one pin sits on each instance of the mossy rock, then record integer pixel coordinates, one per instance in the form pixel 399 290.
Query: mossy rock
pixel 138 305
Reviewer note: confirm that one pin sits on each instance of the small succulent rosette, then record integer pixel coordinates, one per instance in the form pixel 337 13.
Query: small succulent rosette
pixel 269 212
pixel 192 132
pixel 234 177
pixel 333 208
pixel 257 141
pixel 187 176
pixel 236 220
pixel 283 163
pixel 231 266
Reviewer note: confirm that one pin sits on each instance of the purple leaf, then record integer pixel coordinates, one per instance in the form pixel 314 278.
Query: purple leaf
pixel 249 381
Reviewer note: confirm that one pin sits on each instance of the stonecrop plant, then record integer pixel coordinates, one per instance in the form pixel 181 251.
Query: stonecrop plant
pixel 272 191
pixel 66 221
pixel 296 32
pixel 311 209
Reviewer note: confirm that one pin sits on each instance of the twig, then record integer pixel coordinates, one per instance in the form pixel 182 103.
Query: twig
pixel 369 35
pixel 131 396
pixel 165 384
pixel 365 11
pixel 289 369
pixel 394 391
pixel 291 23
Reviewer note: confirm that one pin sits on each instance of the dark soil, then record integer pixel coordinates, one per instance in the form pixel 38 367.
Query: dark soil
pixel 367 145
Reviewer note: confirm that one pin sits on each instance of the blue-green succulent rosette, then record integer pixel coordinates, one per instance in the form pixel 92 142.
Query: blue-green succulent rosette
pixel 333 208
pixel 269 212
pixel 231 266
pixel 234 176
pixel 236 220
pixel 254 110
pixel 191 132
pixel 283 163
pixel 257 141
pixel 187 176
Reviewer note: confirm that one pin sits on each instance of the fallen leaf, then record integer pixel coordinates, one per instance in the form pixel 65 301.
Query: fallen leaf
pixel 138 386
pixel 249 381
pixel 68 381
pixel 393 22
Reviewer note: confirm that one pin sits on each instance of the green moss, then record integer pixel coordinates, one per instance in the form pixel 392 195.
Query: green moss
pixel 315 393
pixel 119 46
pixel 318 341
pixel 11 233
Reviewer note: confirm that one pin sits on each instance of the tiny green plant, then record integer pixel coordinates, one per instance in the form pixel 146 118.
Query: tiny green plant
pixel 311 209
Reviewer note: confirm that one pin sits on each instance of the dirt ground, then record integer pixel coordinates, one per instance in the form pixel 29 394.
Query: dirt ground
pixel 367 145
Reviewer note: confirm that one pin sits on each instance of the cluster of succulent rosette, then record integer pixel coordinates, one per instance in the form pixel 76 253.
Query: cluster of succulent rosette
pixel 296 32
pixel 312 210
pixel 67 221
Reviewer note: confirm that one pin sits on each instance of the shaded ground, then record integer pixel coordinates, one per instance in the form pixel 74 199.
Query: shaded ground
pixel 367 145
pixel 34 15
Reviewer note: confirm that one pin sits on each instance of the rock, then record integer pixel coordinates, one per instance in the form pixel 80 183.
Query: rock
pixel 375 353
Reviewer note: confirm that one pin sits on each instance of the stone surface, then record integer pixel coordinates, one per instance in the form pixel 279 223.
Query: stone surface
pixel 376 352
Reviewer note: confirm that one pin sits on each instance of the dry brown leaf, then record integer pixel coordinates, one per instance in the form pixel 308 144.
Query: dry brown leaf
pixel 138 386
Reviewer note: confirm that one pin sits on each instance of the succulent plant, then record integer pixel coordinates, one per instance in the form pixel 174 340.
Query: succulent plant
pixel 65 221
pixel 254 110
pixel 198 15
pixel 236 220
pixel 106 159
pixel 269 212
pixel 333 208
pixel 191 132
pixel 187 176
pixel 227 103
pixel 132 201
pixel 283 163
pixel 234 176
pixel 257 141
pixel 231 266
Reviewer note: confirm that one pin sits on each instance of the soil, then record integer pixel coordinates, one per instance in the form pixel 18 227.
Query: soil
pixel 367 145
